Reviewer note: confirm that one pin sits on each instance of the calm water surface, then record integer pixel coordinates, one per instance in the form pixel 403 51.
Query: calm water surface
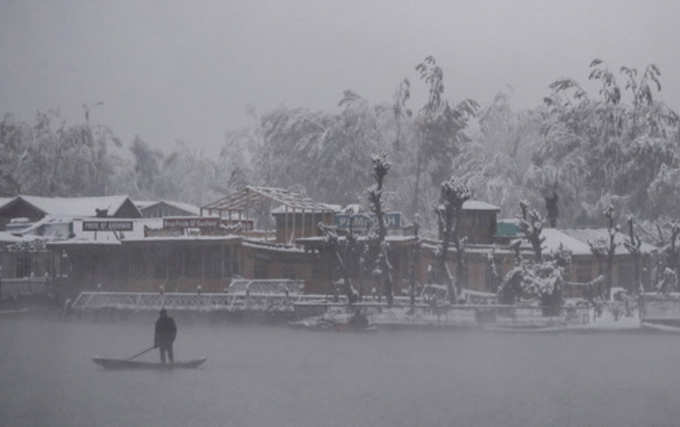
pixel 273 376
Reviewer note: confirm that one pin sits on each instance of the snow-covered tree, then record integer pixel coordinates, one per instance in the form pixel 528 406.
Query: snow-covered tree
pixel 531 225
pixel 540 278
pixel 611 147
pixel 606 248
pixel 633 245
pixel 13 155
pixel 345 249
pixel 414 260
pixel 492 274
pixel 668 282
pixel 440 131
pixel 147 165
pixel 454 192
pixel 539 281
pixel 383 270
pixel 496 162
pixel 551 207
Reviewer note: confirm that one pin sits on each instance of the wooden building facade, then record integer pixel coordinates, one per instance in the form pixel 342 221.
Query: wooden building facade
pixel 206 252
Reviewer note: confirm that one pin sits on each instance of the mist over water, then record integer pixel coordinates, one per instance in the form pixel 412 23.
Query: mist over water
pixel 274 376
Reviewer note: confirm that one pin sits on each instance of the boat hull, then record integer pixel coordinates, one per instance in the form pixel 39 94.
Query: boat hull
pixel 660 327
pixel 134 364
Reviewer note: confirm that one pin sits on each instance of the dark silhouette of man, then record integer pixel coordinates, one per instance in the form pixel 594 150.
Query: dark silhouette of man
pixel 164 335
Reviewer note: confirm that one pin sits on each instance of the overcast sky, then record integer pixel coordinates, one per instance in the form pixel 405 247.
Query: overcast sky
pixel 169 70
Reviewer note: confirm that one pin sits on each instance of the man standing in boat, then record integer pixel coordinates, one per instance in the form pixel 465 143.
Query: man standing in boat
pixel 164 335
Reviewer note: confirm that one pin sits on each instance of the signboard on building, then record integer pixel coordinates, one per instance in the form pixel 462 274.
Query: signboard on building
pixel 107 225
pixel 246 224
pixel 191 222
pixel 393 219
pixel 361 222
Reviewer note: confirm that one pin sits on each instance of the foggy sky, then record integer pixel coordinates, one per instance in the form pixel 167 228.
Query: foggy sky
pixel 169 70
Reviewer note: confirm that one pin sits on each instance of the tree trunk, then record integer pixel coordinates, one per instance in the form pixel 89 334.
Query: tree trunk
pixel 387 277
pixel 349 289
pixel 414 263
pixel 460 272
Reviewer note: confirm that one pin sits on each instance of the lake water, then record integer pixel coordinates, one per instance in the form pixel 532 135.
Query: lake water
pixel 274 376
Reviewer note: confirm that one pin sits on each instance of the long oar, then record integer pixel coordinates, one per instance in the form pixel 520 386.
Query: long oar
pixel 142 352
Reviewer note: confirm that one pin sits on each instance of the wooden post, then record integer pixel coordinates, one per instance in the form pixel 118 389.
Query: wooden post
pixel 294 224
pixel 184 263
pixel 222 251
pixel 284 229
pixel 202 252
pixel 303 223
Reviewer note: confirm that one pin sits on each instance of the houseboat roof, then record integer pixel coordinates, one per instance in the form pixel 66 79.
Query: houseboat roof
pixel 6 237
pixel 326 207
pixel 586 235
pixel 5 200
pixel 250 195
pixel 76 206
pixel 145 204
pixel 478 205
pixel 556 239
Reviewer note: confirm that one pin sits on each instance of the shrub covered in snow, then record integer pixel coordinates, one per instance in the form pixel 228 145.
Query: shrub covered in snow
pixel 538 282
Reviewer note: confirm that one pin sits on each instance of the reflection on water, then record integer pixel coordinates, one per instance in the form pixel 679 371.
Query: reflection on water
pixel 273 376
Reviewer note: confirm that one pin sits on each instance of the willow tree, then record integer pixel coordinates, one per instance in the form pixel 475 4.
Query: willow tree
pixel 440 129
pixel 618 145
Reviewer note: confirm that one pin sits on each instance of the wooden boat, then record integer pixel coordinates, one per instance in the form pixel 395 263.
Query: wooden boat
pixel 660 327
pixel 136 364
pixel 526 329
pixel 328 326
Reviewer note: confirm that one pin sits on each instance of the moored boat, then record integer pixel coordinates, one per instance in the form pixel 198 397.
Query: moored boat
pixel 109 363
pixel 656 326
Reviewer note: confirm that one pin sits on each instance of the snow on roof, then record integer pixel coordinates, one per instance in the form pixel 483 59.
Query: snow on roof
pixel 554 238
pixel 251 195
pixel 6 237
pixel 145 204
pixel 592 234
pixel 76 206
pixel 478 205
pixel 47 220
pixel 5 200
pixel 322 207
